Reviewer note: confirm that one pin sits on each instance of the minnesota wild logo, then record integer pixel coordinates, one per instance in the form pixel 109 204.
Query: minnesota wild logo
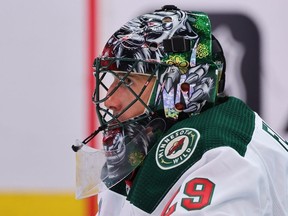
pixel 176 148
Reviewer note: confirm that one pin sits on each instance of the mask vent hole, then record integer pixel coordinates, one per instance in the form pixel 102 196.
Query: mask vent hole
pixel 153 46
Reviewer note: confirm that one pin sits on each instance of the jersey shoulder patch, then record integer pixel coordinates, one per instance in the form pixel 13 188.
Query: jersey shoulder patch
pixel 176 148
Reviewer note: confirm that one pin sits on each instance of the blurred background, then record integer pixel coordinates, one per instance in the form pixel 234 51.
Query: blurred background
pixel 46 83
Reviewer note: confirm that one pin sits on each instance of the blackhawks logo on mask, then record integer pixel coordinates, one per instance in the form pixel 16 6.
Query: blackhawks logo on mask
pixel 176 148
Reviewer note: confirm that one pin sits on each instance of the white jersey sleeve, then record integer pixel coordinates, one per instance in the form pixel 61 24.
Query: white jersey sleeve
pixel 224 183
pixel 233 186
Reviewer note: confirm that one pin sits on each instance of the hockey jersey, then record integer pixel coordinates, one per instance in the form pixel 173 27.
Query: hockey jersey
pixel 225 161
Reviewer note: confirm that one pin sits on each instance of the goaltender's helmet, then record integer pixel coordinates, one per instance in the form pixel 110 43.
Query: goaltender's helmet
pixel 173 45
pixel 176 51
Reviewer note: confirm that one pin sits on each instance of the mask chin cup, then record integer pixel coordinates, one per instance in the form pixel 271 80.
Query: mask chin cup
pixel 98 170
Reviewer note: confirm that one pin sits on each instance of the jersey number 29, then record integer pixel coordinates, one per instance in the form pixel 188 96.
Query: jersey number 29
pixel 198 191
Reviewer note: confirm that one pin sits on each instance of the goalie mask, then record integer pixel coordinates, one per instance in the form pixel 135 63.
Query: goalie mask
pixel 182 65
pixel 173 45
